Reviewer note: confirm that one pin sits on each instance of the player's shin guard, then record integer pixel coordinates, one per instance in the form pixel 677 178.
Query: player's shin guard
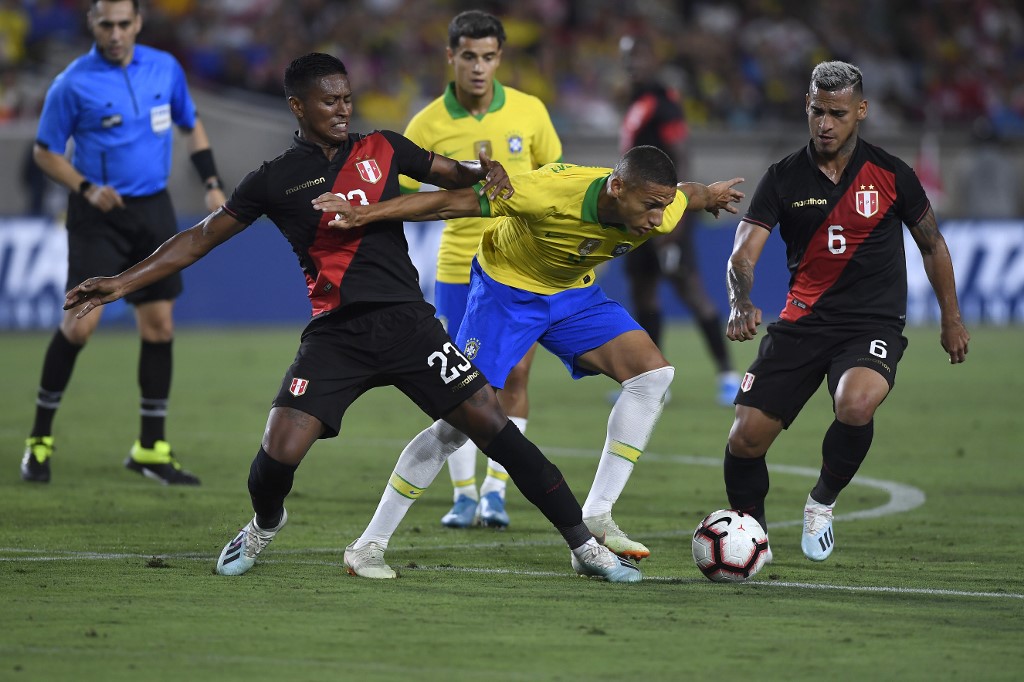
pixel 541 483
pixel 270 482
pixel 746 484
pixel 842 452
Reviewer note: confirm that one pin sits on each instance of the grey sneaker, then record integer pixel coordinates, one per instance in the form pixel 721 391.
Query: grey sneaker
pixel 598 561
pixel 239 555
pixel 611 536
pixel 368 562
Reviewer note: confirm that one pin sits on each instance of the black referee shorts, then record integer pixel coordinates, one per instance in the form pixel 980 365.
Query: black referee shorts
pixel 792 361
pixel 103 244
pixel 346 353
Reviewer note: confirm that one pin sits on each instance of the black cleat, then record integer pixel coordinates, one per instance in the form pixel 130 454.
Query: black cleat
pixel 35 465
pixel 158 463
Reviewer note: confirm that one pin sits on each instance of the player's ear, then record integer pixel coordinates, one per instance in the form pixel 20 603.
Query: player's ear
pixel 862 110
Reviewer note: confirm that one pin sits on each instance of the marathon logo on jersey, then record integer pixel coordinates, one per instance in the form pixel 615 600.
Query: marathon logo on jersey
pixel 472 348
pixel 369 171
pixel 587 246
pixel 111 121
pixel 747 383
pixel 483 146
pixel 298 387
pixel 867 202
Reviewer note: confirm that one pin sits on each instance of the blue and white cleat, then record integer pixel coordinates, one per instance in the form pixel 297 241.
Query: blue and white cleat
pixel 597 561
pixel 492 512
pixel 817 541
pixel 462 514
pixel 239 555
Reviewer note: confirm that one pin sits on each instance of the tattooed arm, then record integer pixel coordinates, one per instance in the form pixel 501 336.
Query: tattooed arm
pixel 744 316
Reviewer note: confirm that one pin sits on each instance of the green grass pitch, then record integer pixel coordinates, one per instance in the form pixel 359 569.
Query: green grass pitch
pixel 107 576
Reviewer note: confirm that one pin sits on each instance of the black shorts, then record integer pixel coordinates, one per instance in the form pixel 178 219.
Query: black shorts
pixel 792 361
pixel 346 353
pixel 669 254
pixel 103 244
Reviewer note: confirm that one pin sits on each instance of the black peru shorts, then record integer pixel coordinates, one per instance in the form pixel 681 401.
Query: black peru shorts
pixel 346 353
pixel 792 361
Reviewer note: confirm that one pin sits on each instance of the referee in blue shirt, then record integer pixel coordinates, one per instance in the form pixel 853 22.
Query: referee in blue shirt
pixel 118 104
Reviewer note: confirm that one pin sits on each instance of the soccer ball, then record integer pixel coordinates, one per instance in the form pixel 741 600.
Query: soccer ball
pixel 729 546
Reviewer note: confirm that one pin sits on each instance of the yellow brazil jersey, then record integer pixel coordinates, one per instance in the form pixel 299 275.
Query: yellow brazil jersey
pixel 516 131
pixel 550 239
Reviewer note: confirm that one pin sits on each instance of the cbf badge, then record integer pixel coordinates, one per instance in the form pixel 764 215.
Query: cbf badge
pixel 867 203
pixel 515 144
pixel 369 171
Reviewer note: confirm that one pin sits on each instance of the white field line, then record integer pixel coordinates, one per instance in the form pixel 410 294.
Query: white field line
pixel 901 498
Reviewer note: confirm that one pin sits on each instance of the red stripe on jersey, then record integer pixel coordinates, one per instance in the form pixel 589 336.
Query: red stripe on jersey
pixel 851 221
pixel 637 116
pixel 361 180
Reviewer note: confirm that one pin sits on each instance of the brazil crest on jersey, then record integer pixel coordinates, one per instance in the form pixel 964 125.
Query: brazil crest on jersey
pixel 516 131
pixel 550 238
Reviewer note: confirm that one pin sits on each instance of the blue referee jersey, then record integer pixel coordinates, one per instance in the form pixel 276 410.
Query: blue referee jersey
pixel 120 118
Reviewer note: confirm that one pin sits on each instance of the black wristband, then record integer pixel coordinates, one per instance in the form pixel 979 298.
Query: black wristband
pixel 203 162
pixel 84 187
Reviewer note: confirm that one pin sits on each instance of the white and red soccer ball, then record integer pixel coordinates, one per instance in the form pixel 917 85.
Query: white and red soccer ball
pixel 729 546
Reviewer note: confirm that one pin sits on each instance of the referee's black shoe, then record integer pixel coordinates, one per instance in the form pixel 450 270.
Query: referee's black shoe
pixel 159 464
pixel 35 465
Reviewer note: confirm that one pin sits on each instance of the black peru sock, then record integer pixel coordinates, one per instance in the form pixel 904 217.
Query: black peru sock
pixel 270 482
pixel 842 452
pixel 540 482
pixel 746 484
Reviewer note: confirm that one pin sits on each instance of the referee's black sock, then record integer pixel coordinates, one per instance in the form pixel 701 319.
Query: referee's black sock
pixel 270 482
pixel 842 452
pixel 57 367
pixel 651 322
pixel 540 482
pixel 714 338
pixel 155 366
pixel 746 484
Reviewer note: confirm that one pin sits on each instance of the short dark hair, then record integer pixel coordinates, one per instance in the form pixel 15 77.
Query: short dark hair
pixel 306 70
pixel 646 164
pixel 135 4
pixel 475 24
pixel 833 76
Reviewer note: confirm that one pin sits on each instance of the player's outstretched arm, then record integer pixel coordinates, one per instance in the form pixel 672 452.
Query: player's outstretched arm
pixel 173 255
pixel 459 203
pixel 712 198
pixel 450 174
pixel 744 316
pixel 939 268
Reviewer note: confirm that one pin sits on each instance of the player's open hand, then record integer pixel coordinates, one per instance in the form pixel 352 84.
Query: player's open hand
pixel 92 293
pixel 496 182
pixel 346 216
pixel 954 339
pixel 743 322
pixel 722 196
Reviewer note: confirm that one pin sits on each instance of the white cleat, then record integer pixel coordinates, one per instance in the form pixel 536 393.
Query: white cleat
pixel 239 555
pixel 597 561
pixel 817 541
pixel 611 536
pixel 368 562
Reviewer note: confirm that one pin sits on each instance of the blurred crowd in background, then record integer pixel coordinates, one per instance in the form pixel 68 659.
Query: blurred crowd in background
pixel 941 64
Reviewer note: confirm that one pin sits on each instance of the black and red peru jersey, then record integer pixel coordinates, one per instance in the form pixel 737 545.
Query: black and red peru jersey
pixel 367 264
pixel 655 117
pixel 844 242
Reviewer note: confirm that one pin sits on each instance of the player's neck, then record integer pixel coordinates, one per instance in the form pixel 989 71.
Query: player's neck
pixel 476 106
